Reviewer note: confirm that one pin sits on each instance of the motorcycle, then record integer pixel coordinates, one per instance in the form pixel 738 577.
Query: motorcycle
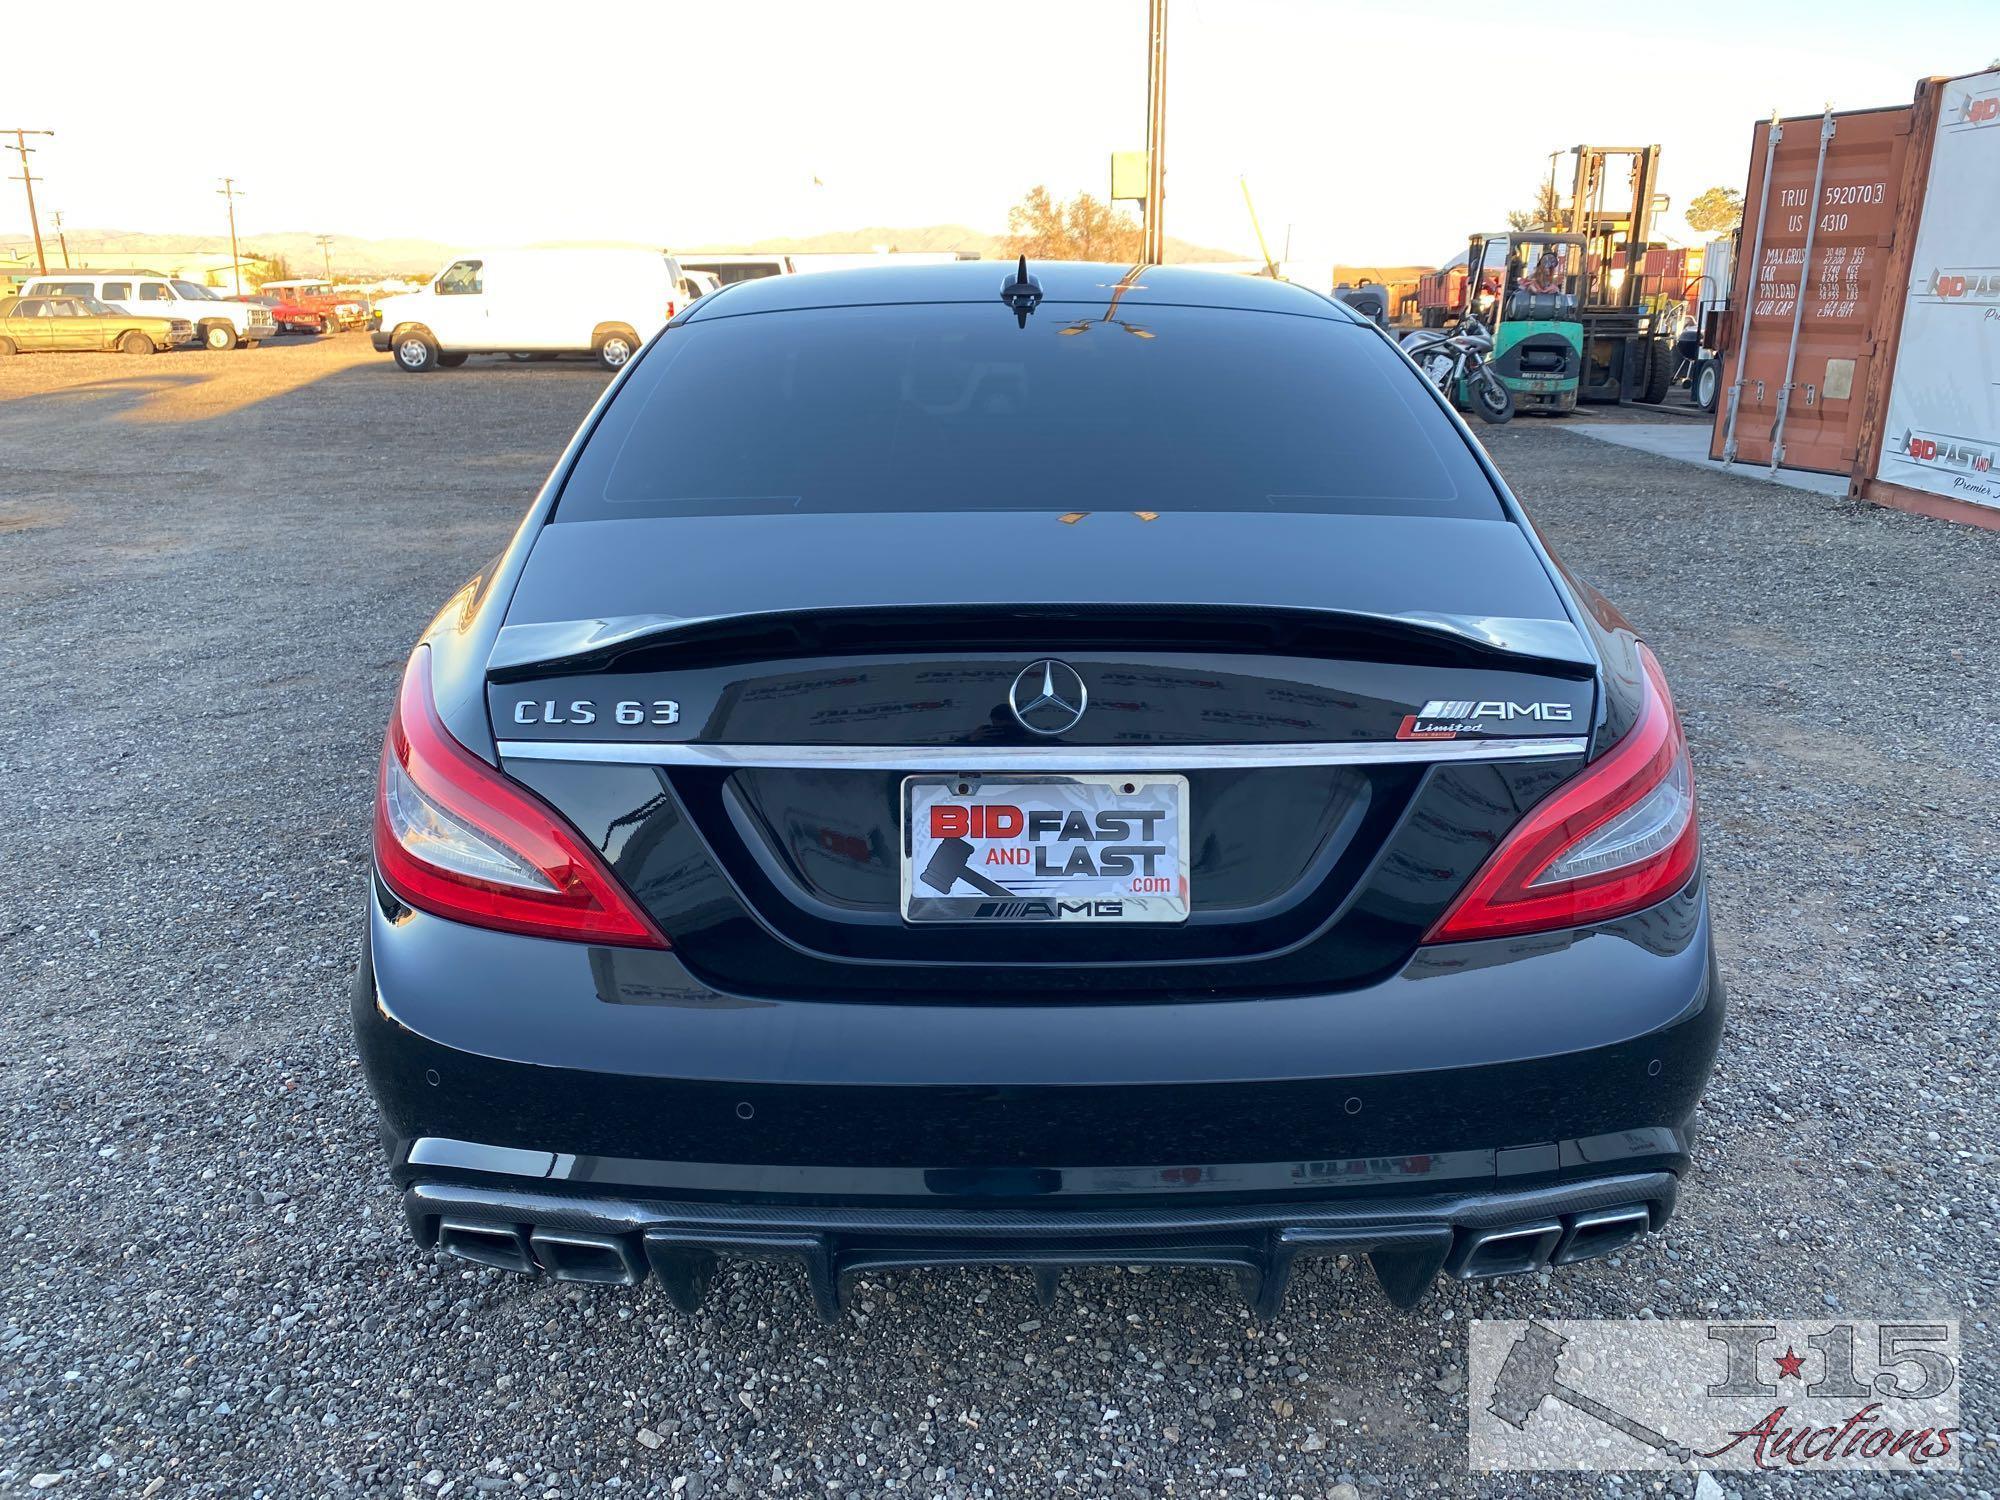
pixel 1449 357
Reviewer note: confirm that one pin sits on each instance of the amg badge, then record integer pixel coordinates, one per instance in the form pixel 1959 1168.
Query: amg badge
pixel 1448 718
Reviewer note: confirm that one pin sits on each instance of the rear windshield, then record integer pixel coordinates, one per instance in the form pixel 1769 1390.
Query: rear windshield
pixel 942 407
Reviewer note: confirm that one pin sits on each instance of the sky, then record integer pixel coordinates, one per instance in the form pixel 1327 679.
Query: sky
pixel 1374 133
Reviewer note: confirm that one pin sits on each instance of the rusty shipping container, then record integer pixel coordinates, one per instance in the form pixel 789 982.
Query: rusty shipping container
pixel 1808 285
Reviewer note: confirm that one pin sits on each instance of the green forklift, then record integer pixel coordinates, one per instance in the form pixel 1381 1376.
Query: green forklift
pixel 1527 287
pixel 1628 330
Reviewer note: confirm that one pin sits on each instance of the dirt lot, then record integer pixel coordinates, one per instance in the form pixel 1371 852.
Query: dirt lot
pixel 211 566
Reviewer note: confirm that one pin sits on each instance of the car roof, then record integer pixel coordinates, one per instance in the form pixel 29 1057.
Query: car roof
pixel 981 280
pixel 301 281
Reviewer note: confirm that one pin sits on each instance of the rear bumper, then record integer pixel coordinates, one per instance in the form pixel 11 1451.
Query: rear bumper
pixel 1509 1084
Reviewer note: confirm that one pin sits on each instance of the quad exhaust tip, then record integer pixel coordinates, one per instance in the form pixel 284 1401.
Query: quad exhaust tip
pixel 1513 1250
pixel 601 1259
pixel 1520 1249
pixel 1602 1231
pixel 501 1246
pixel 567 1255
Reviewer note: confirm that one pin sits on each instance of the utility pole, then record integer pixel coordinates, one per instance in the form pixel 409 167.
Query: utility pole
pixel 230 191
pixel 27 179
pixel 1270 266
pixel 1155 251
pixel 325 242
pixel 56 214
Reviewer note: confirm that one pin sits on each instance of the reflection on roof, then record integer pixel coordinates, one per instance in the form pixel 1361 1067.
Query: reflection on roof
pixel 980 281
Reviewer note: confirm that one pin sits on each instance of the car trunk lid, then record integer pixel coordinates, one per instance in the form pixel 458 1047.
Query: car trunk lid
pixel 725 707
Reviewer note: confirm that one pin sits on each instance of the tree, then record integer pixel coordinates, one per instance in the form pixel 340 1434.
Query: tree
pixel 272 267
pixel 1041 228
pixel 1546 214
pixel 1716 211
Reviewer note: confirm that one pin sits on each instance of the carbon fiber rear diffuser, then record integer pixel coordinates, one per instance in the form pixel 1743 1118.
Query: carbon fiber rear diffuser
pixel 1407 1243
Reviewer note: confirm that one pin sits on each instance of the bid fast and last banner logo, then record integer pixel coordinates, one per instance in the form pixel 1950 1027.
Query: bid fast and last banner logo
pixel 1943 422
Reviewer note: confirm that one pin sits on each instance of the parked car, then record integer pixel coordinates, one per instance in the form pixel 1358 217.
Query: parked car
pixel 290 316
pixel 217 324
pixel 344 309
pixel 730 269
pixel 703 282
pixel 602 302
pixel 42 325
pixel 843 828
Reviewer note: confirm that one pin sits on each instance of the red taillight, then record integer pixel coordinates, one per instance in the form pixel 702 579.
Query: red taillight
pixel 456 838
pixel 1620 837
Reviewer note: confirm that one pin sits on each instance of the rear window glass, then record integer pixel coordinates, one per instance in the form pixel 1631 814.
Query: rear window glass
pixel 942 407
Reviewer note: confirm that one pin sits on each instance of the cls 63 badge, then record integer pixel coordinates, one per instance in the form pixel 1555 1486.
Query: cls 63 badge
pixel 627 711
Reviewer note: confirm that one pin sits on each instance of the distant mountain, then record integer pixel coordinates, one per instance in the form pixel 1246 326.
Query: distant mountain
pixel 350 256
pixel 931 238
pixel 355 257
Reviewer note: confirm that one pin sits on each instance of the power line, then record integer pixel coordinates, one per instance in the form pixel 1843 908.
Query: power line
pixel 28 180
pixel 230 191
pixel 325 242
pixel 55 215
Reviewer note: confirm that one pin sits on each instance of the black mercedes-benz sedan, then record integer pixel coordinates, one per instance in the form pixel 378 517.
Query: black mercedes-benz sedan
pixel 1032 765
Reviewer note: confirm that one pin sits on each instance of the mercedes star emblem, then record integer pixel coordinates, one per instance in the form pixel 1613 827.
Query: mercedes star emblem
pixel 1048 697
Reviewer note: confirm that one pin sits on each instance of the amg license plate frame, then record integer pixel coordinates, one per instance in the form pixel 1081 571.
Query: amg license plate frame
pixel 1011 847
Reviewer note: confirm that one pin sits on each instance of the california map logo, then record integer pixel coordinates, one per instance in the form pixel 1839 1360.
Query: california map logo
pixel 1782 1395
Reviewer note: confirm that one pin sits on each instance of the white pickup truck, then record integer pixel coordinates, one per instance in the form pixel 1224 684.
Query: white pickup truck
pixel 217 324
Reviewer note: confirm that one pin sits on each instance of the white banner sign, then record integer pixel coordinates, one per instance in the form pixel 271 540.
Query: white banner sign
pixel 1943 429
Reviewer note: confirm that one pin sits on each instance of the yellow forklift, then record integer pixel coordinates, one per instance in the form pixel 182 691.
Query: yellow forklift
pixel 1628 349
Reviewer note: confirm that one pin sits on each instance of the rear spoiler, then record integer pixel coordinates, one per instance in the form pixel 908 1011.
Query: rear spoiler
pixel 583 644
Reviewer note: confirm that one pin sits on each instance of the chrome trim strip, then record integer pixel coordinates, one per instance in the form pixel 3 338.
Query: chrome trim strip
pixel 1110 758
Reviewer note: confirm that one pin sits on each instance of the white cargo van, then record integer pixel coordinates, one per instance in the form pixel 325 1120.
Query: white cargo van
pixel 549 302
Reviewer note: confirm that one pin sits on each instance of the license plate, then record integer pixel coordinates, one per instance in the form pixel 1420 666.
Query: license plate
pixel 1045 849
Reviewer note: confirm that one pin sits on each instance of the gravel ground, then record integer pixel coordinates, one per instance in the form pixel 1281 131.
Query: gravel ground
pixel 210 568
